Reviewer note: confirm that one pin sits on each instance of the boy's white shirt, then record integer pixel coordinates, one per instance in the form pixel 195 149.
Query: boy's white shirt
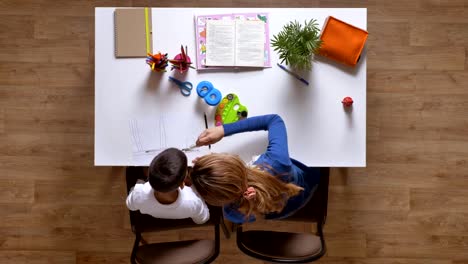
pixel 188 204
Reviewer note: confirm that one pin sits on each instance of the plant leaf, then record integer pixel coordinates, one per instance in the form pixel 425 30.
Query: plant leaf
pixel 296 43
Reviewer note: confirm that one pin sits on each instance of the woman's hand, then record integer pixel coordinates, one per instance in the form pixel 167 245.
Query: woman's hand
pixel 210 136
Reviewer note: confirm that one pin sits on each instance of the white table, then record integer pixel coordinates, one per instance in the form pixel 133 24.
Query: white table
pixel 320 132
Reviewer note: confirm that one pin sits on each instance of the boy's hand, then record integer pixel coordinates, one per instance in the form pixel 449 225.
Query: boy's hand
pixel 210 136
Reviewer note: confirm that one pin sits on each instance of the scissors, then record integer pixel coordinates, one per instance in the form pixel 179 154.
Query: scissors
pixel 185 87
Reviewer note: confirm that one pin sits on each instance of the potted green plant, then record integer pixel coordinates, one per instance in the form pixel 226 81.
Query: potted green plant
pixel 297 43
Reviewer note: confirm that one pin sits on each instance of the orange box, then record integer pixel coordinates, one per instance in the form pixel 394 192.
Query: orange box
pixel 342 42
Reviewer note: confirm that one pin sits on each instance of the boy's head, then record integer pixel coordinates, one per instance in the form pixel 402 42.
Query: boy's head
pixel 167 171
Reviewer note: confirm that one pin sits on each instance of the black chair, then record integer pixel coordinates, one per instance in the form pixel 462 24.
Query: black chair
pixel 183 252
pixel 285 247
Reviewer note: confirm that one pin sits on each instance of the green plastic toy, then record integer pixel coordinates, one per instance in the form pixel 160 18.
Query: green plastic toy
pixel 230 110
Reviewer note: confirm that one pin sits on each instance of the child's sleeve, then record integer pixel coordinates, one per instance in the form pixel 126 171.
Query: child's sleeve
pixel 132 198
pixel 201 213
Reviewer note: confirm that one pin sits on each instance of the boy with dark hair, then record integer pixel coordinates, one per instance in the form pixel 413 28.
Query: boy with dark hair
pixel 165 194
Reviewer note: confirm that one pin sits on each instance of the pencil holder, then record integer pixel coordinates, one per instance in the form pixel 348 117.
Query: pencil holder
pixel 181 62
pixel 158 62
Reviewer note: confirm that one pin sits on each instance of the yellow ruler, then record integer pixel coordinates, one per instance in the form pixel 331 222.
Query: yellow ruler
pixel 148 35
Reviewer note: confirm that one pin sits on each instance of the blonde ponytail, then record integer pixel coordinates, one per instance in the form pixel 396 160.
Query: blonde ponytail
pixel 271 193
pixel 222 179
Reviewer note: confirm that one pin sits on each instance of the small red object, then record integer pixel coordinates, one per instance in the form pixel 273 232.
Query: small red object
pixel 347 101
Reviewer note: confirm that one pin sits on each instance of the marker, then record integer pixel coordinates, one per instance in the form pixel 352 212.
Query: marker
pixel 293 74
pixel 206 125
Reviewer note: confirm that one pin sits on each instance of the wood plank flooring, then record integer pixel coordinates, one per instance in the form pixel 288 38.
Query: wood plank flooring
pixel 410 205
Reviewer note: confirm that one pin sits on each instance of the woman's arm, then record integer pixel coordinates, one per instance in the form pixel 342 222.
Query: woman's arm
pixel 274 124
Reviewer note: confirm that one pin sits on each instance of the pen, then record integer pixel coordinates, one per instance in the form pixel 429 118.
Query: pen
pixel 190 148
pixel 293 74
pixel 206 125
pixel 152 150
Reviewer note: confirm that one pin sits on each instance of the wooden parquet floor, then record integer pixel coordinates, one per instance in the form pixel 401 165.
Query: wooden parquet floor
pixel 410 205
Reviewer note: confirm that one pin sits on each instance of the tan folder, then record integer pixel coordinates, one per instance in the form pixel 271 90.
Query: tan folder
pixel 133 32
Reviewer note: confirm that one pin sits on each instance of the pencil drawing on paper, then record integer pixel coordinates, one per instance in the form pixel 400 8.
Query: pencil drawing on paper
pixel 152 135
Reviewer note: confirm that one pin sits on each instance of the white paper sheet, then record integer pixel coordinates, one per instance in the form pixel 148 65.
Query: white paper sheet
pixel 152 135
pixel 220 35
pixel 250 46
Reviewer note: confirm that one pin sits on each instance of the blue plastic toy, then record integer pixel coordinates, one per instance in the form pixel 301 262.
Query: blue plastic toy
pixel 207 91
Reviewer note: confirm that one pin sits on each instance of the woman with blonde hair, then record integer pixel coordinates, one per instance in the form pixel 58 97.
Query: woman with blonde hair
pixel 276 186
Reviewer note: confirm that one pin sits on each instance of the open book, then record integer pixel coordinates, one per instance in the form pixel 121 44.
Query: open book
pixel 235 43
pixel 242 33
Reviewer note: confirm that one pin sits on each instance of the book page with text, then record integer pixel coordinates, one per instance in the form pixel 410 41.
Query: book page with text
pixel 250 43
pixel 220 36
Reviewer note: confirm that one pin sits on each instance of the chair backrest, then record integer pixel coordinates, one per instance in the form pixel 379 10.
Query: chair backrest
pixel 145 223
pixel 284 247
pixel 316 209
pixel 142 223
